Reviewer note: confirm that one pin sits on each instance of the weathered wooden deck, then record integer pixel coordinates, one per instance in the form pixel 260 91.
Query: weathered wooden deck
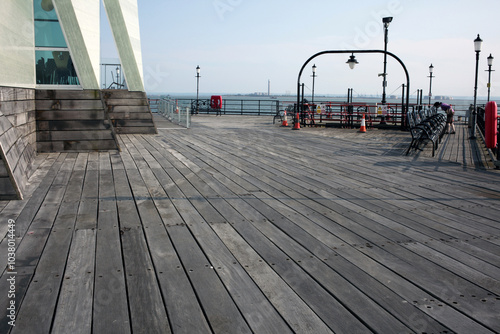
pixel 239 226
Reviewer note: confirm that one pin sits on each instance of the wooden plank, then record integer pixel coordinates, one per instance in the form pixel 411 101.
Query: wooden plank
pixel 36 312
pixel 129 109
pixel 62 115
pixel 144 123
pixel 68 105
pixel 42 295
pixel 88 209
pixel 7 191
pixel 77 146
pixel 110 298
pixel 130 115
pixel 74 306
pixel 147 310
pixel 122 94
pixel 126 101
pixel 136 130
pixel 74 125
pixel 75 135
pixel 61 94
pixel 22 280
pixel 15 94
pixel 18 107
pixel 26 216
pixel 184 311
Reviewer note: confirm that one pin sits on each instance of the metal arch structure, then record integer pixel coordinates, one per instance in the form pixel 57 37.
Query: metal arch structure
pixel 403 123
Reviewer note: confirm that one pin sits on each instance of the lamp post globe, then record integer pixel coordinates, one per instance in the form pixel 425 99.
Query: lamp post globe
pixel 352 61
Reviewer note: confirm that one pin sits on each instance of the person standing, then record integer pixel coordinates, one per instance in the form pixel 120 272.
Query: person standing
pixel 450 127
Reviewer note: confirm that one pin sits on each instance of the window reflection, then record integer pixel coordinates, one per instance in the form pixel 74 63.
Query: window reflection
pixel 55 68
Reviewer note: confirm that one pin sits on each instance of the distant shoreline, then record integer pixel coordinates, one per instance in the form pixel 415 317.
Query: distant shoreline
pixel 481 99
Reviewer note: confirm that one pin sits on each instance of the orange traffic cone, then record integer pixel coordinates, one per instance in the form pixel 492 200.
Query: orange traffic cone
pixel 363 125
pixel 296 124
pixel 285 122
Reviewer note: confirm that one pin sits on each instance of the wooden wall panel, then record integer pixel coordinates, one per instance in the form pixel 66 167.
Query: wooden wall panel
pixel 129 112
pixel 73 120
pixel 17 140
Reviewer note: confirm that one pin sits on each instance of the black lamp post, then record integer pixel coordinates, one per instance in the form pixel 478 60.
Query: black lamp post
pixel 313 76
pixel 431 70
pixel 117 77
pixel 490 63
pixel 477 47
pixel 386 21
pixel 197 88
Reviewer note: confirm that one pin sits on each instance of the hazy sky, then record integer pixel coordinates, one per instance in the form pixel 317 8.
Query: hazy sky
pixel 241 44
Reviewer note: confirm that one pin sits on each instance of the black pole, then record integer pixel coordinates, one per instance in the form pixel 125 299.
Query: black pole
pixel 474 111
pixel 197 89
pixel 314 76
pixel 489 81
pixel 384 84
pixel 403 111
pixel 490 61
pixel 302 116
pixel 430 87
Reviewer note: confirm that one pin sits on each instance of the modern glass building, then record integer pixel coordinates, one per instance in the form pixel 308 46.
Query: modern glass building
pixel 55 44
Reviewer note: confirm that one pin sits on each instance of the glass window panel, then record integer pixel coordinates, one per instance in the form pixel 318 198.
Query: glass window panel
pixel 49 34
pixel 55 68
pixel 44 10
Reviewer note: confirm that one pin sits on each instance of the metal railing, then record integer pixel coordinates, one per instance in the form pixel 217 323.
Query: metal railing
pixel 153 104
pixel 171 110
pixel 234 107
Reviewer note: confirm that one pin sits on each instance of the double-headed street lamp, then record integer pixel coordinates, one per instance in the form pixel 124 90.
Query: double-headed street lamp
pixel 197 88
pixel 314 76
pixel 431 70
pixel 477 47
pixel 489 70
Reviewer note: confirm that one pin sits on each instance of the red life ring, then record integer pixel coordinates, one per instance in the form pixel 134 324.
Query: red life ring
pixel 490 120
